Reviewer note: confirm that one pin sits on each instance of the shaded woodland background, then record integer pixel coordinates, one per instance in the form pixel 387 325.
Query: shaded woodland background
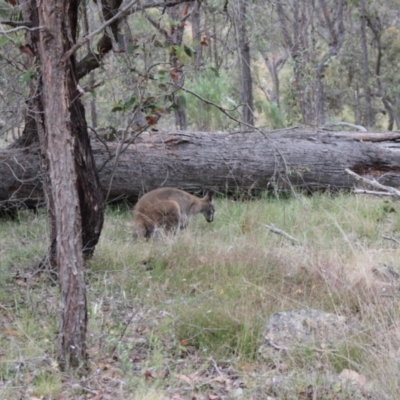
pixel 273 64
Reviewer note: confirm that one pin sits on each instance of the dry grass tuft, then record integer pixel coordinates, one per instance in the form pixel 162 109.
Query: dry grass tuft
pixel 183 311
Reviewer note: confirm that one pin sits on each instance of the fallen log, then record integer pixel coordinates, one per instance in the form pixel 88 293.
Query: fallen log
pixel 256 161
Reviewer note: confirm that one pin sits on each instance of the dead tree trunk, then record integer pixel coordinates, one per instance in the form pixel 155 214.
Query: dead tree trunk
pixel 226 162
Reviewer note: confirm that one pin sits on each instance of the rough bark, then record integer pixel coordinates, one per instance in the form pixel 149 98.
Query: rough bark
pixel 57 148
pixel 72 190
pixel 226 162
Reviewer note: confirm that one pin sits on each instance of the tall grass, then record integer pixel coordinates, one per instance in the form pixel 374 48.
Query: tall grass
pixel 209 292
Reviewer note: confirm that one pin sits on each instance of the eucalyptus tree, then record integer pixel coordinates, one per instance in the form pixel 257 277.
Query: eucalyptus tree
pixel 56 125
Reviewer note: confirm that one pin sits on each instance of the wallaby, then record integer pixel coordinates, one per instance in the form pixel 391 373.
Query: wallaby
pixel 169 209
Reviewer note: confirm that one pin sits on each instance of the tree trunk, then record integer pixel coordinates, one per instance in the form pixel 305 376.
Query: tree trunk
pixel 196 35
pixel 178 16
pixel 73 195
pixel 226 162
pixel 368 113
pixel 274 65
pixel 390 106
pixel 57 145
pixel 246 81
pixel 293 37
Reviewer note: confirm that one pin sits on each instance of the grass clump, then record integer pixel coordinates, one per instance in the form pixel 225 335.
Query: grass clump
pixel 173 312
pixel 220 331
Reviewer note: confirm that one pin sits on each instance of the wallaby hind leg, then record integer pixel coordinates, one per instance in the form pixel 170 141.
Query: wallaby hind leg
pixel 168 215
pixel 142 231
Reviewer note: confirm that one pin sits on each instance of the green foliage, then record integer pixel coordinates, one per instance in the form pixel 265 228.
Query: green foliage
pixel 350 356
pixel 214 87
pixel 274 116
pixel 5 9
pixel 47 385
pixel 217 331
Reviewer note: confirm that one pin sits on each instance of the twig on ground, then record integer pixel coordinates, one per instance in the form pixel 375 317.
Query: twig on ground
pixel 390 190
pixel 114 349
pixel 283 233
pixel 391 238
pixel 216 366
pixel 371 192
pixel 358 127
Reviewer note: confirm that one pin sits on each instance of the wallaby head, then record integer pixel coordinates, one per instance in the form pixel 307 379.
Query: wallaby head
pixel 169 209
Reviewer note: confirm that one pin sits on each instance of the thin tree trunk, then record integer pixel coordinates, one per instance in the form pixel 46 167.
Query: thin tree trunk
pixel 196 35
pixel 178 78
pixel 93 108
pixel 274 67
pixel 377 29
pixel 245 64
pixel 368 113
pixel 292 42
pixel 336 37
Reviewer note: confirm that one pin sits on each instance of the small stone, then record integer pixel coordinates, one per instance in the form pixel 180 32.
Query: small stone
pixel 354 377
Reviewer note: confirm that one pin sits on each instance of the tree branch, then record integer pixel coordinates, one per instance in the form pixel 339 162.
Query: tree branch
pixel 20 28
pixel 122 13
pixel 358 127
pixel 390 190
pixel 27 24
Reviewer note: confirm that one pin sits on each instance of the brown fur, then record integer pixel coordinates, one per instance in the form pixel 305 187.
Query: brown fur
pixel 169 209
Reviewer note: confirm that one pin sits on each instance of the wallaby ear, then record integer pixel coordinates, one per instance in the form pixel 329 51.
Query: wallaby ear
pixel 209 195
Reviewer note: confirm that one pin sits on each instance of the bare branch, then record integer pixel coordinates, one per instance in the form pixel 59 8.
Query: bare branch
pixel 391 190
pixel 358 127
pixel 371 192
pixel 27 24
pixel 20 28
pixel 283 233
pixel 391 238
pixel 120 14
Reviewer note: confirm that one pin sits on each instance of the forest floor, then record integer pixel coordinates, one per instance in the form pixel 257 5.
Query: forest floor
pixel 183 317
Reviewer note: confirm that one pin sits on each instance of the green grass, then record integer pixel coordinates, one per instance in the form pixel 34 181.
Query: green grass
pixel 174 307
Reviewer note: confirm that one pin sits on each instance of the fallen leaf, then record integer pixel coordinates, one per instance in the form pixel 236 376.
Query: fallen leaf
pixel 204 40
pixel 10 332
pixel 151 119
pixel 98 396
pixel 213 397
pixel 283 368
pixel 186 379
pixel 174 74
pixel 26 50
pixel 148 375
